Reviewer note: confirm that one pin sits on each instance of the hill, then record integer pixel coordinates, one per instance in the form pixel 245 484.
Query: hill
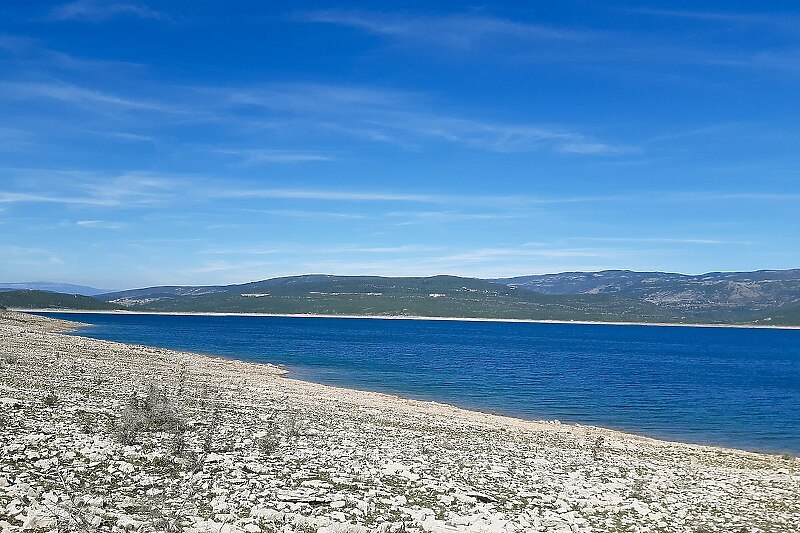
pixel 721 292
pixel 64 288
pixel 437 296
pixel 35 299
pixel 763 297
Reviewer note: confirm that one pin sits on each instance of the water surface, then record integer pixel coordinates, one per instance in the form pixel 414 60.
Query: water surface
pixel 721 386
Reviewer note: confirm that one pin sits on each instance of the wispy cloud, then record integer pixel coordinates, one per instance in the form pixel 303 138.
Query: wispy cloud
pixel 499 39
pixel 257 156
pixel 662 240
pixel 122 135
pixel 401 249
pixel 595 148
pixel 309 214
pixel 30 256
pixel 754 196
pixel 728 17
pixel 33 56
pixel 99 224
pixel 89 189
pixel 406 218
pixel 501 253
pixel 143 189
pixel 324 195
pixel 99 10
pixel 368 196
pixel 458 31
pixel 14 197
pixel 405 119
pixel 73 94
pixel 401 259
pixel 311 111
pixel 497 137
pixel 295 249
pixel 454 264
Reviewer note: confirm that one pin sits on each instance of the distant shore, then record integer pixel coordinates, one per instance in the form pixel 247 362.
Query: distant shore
pixel 404 317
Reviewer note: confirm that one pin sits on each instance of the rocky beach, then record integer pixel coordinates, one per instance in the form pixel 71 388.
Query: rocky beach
pixel 103 436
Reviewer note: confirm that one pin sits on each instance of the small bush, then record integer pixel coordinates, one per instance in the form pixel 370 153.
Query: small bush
pixel 178 444
pixel 268 444
pixel 597 447
pixel 211 431
pixel 86 421
pixel 155 412
pixel 51 399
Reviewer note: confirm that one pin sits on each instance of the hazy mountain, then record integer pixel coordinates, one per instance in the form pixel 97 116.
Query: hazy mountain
pixel 747 291
pixel 35 299
pixel 763 297
pixel 65 288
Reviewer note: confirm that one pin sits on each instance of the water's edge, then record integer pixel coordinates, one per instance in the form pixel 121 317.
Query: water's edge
pixel 405 317
pixel 297 372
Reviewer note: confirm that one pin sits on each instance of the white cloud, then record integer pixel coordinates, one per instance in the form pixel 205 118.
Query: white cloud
pixel 98 10
pixel 91 189
pixel 14 197
pixel 437 217
pixel 100 224
pixel 309 111
pixel 459 31
pixel 66 92
pixel 783 21
pixel 300 213
pixel 662 240
pixel 495 254
pixel 594 148
pixel 403 119
pixel 323 195
pixel 256 156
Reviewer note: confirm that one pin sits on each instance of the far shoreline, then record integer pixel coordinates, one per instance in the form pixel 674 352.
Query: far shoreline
pixel 401 317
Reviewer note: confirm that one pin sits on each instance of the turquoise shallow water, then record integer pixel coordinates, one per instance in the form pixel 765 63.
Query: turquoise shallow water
pixel 721 386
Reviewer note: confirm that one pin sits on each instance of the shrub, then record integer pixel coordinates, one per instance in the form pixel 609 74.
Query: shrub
pixel 155 412
pixel 51 399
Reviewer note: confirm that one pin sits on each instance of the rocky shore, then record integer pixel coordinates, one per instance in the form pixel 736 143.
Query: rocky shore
pixel 102 436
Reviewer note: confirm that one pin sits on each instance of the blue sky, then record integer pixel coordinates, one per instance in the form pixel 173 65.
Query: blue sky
pixel 193 142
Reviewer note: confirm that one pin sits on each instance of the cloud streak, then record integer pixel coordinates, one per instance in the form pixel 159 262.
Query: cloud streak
pixel 739 19
pixel 74 94
pixel 304 111
pixel 458 31
pixel 90 190
pixel 662 240
pixel 99 224
pixel 401 118
pixel 100 11
pixel 503 39
pixel 258 156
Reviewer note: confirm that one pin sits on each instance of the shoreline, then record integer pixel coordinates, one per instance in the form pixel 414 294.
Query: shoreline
pixel 262 453
pixel 287 374
pixel 403 317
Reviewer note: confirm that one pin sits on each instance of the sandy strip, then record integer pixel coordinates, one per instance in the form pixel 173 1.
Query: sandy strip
pixel 212 444
pixel 405 317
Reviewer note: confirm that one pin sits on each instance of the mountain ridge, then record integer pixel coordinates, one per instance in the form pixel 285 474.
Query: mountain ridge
pixel 52 286
pixel 758 297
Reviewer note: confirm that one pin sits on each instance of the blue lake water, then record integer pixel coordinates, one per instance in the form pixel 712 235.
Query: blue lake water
pixel 728 387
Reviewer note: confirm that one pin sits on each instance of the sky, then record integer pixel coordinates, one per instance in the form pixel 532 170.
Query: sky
pixel 202 142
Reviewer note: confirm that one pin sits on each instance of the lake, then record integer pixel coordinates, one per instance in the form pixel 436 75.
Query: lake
pixel 723 386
